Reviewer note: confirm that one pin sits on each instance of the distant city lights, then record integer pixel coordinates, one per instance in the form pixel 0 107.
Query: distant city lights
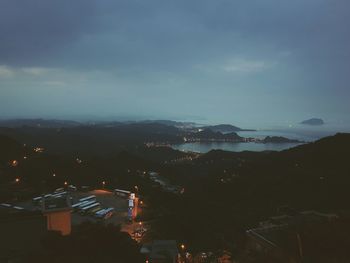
pixel 39 149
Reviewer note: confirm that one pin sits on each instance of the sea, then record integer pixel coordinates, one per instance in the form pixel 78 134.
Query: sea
pixel 305 134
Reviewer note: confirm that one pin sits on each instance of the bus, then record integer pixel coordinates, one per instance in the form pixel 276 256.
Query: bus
pixel 77 205
pixel 122 193
pixel 86 203
pixel 105 213
pixel 38 200
pixel 59 190
pixel 100 212
pixel 94 210
pixel 86 209
pixel 60 194
pixel 18 208
pixel 88 198
pixel 72 187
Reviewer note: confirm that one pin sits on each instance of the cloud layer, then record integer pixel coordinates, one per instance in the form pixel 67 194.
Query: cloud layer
pixel 222 60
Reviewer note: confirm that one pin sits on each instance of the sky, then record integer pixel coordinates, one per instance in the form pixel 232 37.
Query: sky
pixel 256 62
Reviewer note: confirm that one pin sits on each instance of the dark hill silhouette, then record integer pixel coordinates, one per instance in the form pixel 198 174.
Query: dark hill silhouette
pixel 224 128
pixel 9 148
pixel 207 135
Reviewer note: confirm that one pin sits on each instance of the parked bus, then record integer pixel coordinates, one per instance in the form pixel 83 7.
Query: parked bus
pixel 60 194
pixel 86 209
pixel 88 198
pixel 38 200
pixel 72 187
pixel 59 190
pixel 18 208
pixel 100 212
pixel 122 193
pixel 105 213
pixel 77 205
pixel 94 210
pixel 85 203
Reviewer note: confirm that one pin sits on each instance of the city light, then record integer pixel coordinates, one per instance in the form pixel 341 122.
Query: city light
pixel 39 149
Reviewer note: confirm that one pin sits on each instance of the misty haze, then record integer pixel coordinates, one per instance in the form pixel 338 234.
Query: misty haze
pixel 174 131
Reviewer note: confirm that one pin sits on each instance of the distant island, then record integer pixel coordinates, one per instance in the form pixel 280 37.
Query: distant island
pixel 225 128
pixel 279 139
pixel 313 121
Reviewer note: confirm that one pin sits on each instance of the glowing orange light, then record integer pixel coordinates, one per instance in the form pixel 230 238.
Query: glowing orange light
pixel 182 246
pixel 14 163
pixel 17 180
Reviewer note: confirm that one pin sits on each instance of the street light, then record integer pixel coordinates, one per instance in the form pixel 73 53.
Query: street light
pixel 182 246
pixel 17 180
pixel 65 183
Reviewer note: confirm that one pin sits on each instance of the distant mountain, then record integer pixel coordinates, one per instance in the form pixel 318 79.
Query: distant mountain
pixel 170 123
pixel 313 121
pixel 279 139
pixel 224 128
pixel 209 135
pixel 40 123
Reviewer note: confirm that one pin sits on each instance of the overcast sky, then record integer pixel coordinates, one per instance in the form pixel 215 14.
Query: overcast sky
pixel 236 61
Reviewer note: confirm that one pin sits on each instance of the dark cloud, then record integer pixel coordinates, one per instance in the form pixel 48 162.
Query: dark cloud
pixel 227 50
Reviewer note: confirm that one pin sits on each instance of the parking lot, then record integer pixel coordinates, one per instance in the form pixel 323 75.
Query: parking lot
pixel 106 199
